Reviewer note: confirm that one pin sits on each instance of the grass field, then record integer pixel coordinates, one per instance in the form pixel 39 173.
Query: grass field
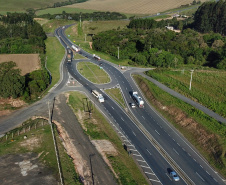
pixel 22 5
pixel 116 94
pixel 93 72
pixel 55 53
pixel 98 128
pixel 208 86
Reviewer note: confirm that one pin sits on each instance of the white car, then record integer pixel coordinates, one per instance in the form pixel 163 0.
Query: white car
pixel 133 105
pixel 174 176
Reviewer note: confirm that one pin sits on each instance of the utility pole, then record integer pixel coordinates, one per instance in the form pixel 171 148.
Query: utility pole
pixel 118 52
pixel 191 79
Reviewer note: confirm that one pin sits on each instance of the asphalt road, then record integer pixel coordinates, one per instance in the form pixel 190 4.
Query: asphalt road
pixel 149 137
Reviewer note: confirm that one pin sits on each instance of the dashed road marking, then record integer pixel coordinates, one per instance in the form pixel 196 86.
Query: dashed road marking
pixel 175 151
pixel 200 176
pixel 148 151
pixel 157 132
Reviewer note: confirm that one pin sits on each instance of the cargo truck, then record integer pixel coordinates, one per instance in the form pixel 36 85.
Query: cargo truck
pixel 137 99
pixel 98 96
pixel 96 57
pixel 75 48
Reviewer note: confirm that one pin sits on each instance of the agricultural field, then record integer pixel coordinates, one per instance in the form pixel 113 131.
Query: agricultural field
pixel 26 62
pixel 208 86
pixel 131 6
pixel 93 72
pixel 22 5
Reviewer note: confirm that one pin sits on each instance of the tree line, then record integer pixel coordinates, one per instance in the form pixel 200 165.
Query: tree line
pixel 95 16
pixel 19 33
pixel 211 16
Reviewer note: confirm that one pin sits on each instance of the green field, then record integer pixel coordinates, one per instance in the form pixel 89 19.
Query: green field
pixel 116 94
pixel 55 53
pixel 98 128
pixel 22 5
pixel 208 86
pixel 93 72
pixel 59 10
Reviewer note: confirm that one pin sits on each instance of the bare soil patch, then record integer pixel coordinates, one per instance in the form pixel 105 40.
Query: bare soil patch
pixel 26 62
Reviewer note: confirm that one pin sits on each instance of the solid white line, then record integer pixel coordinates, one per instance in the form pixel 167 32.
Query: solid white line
pixel 175 151
pixel 200 177
pixel 157 132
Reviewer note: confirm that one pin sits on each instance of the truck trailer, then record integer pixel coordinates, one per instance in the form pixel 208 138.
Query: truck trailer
pixel 96 57
pixel 138 99
pixel 75 48
pixel 98 96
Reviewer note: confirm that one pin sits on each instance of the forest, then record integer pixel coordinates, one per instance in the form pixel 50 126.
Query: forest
pixel 147 42
pixel 20 34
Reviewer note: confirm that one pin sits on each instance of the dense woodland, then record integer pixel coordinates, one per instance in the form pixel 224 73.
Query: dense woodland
pixel 20 34
pixel 148 42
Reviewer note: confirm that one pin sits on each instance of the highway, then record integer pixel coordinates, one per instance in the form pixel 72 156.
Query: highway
pixel 153 142
pixel 181 155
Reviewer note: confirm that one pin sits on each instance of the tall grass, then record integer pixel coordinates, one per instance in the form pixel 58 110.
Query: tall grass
pixel 207 88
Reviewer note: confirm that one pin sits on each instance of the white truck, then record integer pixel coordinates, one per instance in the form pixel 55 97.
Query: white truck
pixel 75 48
pixel 98 96
pixel 96 57
pixel 138 99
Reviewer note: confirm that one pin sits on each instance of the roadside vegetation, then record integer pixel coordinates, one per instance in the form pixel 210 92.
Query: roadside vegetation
pixel 98 128
pixel 202 79
pixel 93 72
pixel 116 94
pixel 39 141
pixel 205 133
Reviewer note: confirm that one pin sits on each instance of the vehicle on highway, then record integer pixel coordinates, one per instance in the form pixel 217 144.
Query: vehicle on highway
pixel 100 64
pixel 69 54
pixel 132 105
pixel 137 99
pixel 96 57
pixel 174 176
pixel 98 96
pixel 75 48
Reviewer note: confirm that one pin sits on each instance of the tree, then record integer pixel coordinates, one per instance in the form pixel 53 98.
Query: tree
pixel 12 83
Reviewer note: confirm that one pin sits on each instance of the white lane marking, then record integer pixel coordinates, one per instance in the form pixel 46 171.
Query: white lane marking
pixel 143 117
pixel 183 149
pixel 178 144
pixel 207 172
pixel 134 133
pixel 154 180
pixel 215 179
pixel 137 154
pixel 157 132
pixel 141 161
pixel 145 166
pixel 173 139
pixel 112 108
pixel 122 119
pixel 189 154
pixel 149 173
pixel 201 166
pixel 200 176
pixel 194 159
pixel 148 151
pixel 175 151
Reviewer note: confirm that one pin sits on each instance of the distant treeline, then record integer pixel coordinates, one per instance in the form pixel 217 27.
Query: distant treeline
pixel 95 16
pixel 19 33
pixel 59 4
pixel 211 16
